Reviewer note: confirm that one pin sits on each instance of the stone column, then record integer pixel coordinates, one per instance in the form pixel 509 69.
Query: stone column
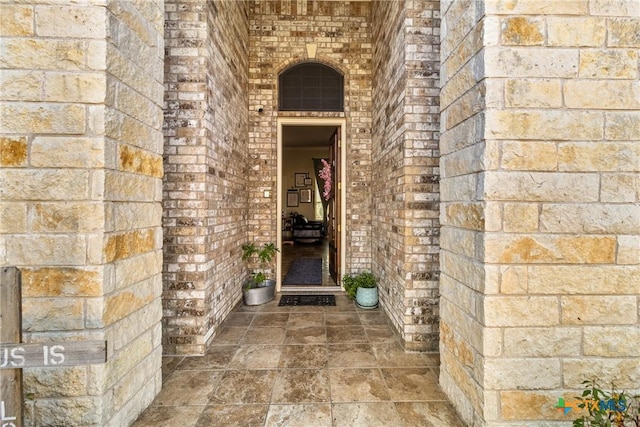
pixel 80 143
pixel 540 249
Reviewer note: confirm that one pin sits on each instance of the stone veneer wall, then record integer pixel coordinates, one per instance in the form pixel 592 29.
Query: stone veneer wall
pixel 405 163
pixel 279 33
pixel 206 168
pixel 80 214
pixel 540 189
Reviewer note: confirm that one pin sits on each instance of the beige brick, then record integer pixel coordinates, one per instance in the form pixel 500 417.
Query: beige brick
pixel 522 373
pixel 520 217
pixel 69 152
pixel 537 7
pixel 590 218
pixel 523 31
pixel 612 341
pixel 583 279
pixel 623 372
pixel 588 94
pixel 540 186
pixel 42 118
pixel 46 250
pixel 52 314
pixel 557 249
pixel 65 381
pixel 13 151
pixel 614 8
pixel 529 155
pixel 13 217
pixel 545 125
pixel 598 310
pixel 601 157
pixel 513 279
pixel 21 85
pixel 139 161
pixel 542 342
pixel 576 32
pixel 500 311
pixel 608 64
pixel 531 62
pixel 618 188
pixel 66 217
pixel 533 405
pixel 35 184
pixel 71 21
pixel 61 281
pixel 84 87
pixel 43 54
pixel 622 126
pixel 17 20
pixel 623 32
pixel 530 93
pixel 628 250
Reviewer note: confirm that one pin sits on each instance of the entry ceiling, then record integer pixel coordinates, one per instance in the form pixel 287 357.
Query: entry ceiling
pixel 306 136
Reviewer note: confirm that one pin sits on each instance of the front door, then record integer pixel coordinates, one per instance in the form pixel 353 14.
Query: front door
pixel 334 208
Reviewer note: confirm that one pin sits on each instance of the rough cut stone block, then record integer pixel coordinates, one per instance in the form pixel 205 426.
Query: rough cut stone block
pixel 43 54
pixel 72 152
pixel 622 126
pixel 531 62
pixel 42 118
pixel 13 218
pixel 545 125
pixel 612 341
pixel 537 7
pixel 540 187
pixel 50 184
pixel 45 250
pixel 23 85
pixel 599 156
pixel 62 281
pixel 71 21
pixel 583 279
pixel 542 342
pixel 532 93
pixel 17 20
pixel 608 64
pixel 41 315
pixel 520 217
pixel 590 218
pixel 576 32
pixel 522 373
pixel 599 309
pixel 556 249
pixel 523 31
pixel 500 311
pixel 84 87
pixel 618 188
pixel 13 151
pixel 628 250
pixel 59 382
pixel 529 155
pixel 624 32
pixel 623 372
pixel 621 94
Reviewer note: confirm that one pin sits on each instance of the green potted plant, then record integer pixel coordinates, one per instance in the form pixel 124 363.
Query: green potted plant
pixel 259 289
pixel 363 287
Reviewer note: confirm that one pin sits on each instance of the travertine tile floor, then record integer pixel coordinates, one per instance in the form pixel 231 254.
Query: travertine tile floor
pixel 302 366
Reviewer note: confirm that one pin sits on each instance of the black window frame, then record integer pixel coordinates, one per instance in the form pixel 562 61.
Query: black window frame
pixel 311 86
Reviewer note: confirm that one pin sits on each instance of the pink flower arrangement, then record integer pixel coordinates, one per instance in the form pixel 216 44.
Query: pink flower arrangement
pixel 325 174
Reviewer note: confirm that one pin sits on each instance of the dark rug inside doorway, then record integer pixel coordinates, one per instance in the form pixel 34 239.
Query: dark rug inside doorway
pixel 307 300
pixel 304 271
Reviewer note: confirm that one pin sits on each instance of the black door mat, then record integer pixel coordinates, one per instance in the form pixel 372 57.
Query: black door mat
pixel 307 300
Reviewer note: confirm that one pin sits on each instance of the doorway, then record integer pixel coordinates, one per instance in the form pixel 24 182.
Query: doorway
pixel 311 223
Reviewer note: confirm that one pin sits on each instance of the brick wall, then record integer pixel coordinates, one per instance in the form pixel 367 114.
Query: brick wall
pixel 540 162
pixel 405 163
pixel 279 33
pixel 80 198
pixel 206 167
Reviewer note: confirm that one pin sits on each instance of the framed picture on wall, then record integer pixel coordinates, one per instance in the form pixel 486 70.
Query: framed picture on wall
pixel 307 181
pixel 306 195
pixel 293 198
pixel 300 177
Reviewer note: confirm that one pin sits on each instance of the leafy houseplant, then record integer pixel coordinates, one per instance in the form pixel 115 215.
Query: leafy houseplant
pixel 363 287
pixel 259 288
pixel 604 409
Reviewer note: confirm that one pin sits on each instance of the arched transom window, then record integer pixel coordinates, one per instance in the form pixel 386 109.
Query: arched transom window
pixel 311 87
